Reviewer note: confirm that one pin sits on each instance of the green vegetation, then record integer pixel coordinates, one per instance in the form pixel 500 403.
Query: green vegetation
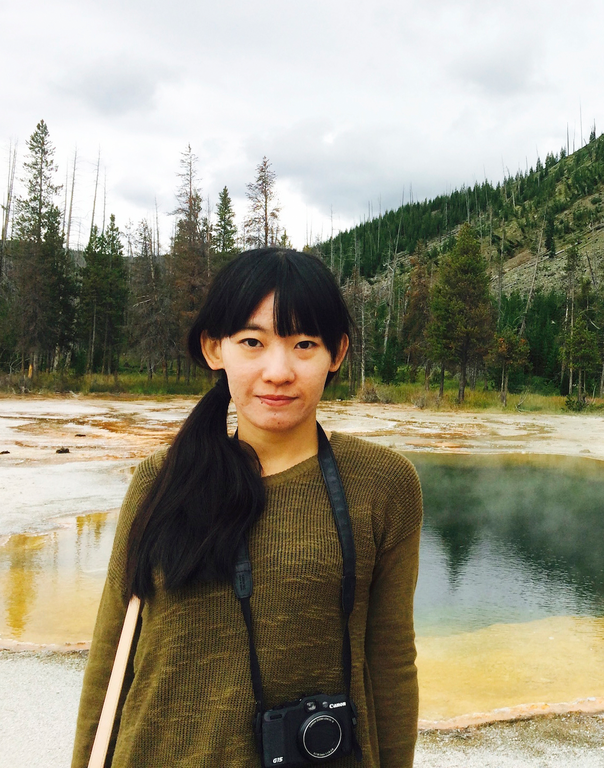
pixel 95 320
pixel 424 284
pixel 561 197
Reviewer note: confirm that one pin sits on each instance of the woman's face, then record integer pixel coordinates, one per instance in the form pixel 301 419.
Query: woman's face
pixel 275 381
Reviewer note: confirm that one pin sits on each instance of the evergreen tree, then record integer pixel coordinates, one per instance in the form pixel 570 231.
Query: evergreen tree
pixel 225 231
pixel 189 268
pixel 510 353
pixel 118 290
pixel 262 223
pixel 151 316
pixel 42 273
pixel 460 330
pixel 284 240
pixel 550 243
pixel 417 316
pixel 103 299
pixel 581 348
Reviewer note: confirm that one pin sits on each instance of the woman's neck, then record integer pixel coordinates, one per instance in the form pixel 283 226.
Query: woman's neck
pixel 279 451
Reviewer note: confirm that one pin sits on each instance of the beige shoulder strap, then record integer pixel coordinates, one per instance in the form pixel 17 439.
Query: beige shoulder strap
pixel 105 726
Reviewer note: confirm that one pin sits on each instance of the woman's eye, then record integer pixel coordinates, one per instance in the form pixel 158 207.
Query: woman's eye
pixel 252 343
pixel 306 344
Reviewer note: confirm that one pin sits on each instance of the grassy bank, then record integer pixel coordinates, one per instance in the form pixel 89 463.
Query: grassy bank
pixel 131 384
pixel 126 384
pixel 477 399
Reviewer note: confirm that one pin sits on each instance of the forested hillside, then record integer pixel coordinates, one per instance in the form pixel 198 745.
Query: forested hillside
pixel 498 286
pixel 540 238
pixel 559 202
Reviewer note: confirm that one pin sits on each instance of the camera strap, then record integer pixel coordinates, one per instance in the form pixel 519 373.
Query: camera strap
pixel 243 584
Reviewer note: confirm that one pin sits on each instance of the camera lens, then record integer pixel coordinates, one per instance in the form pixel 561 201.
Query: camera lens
pixel 320 735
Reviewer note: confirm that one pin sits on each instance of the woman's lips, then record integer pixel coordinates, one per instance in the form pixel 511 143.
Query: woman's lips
pixel 276 399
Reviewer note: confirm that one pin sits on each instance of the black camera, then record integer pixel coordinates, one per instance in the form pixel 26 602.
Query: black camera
pixel 314 729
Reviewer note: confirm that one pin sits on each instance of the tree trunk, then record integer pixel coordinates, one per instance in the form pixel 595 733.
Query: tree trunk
pixel 462 381
pixel 441 390
pixel 428 370
pixel 500 277
pixel 91 350
pixel 530 295
pixel 105 337
pixel 505 389
pixel 362 344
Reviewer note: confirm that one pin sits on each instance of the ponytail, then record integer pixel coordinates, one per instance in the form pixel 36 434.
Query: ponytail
pixel 206 496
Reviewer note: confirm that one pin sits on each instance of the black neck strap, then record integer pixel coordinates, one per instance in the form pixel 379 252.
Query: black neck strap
pixel 243 585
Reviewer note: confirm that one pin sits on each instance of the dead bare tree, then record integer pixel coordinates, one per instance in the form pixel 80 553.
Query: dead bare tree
pixel 6 208
pixel 529 298
pixel 96 186
pixel 69 216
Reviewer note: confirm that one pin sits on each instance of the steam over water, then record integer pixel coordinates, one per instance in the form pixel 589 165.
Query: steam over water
pixel 509 539
pixel 510 597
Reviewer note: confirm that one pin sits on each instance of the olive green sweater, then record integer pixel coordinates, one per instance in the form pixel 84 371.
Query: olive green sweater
pixel 188 699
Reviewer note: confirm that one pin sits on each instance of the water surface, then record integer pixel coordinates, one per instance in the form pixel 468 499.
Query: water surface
pixel 510 598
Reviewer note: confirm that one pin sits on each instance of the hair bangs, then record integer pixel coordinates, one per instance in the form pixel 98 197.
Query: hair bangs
pixel 307 298
pixel 304 305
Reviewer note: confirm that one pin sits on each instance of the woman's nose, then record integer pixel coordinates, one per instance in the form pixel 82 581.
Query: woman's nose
pixel 277 367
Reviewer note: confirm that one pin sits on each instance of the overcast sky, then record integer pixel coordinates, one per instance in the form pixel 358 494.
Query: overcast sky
pixel 354 103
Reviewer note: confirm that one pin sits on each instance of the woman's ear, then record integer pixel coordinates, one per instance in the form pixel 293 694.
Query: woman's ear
pixel 339 359
pixel 212 351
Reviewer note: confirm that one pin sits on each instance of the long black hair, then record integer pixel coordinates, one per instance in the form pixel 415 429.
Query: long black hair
pixel 209 491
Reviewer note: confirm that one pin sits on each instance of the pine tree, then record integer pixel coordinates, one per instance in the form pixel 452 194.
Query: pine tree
pixel 571 269
pixel 117 282
pixel 581 348
pixel 417 317
pixel 550 242
pixel 189 269
pixel 151 316
pixel 43 275
pixel 262 223
pixel 460 331
pixel 103 299
pixel 510 353
pixel 225 231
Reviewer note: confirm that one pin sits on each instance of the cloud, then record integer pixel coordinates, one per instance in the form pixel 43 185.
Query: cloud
pixel 350 102
pixel 345 168
pixel 116 87
pixel 498 73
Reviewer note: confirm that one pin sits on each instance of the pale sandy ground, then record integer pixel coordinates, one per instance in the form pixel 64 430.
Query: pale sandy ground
pixel 33 428
pixel 39 692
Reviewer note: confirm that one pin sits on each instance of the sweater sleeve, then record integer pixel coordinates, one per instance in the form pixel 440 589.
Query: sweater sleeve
pixel 108 627
pixel 390 637
pixel 390 650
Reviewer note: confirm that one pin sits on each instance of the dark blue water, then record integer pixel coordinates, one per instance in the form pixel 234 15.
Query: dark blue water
pixel 509 539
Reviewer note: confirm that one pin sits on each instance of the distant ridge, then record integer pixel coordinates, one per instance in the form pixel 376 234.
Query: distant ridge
pixel 562 197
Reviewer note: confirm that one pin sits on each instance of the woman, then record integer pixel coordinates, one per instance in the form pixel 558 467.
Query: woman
pixel 276 328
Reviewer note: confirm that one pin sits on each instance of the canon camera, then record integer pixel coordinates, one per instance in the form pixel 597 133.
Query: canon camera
pixel 314 729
